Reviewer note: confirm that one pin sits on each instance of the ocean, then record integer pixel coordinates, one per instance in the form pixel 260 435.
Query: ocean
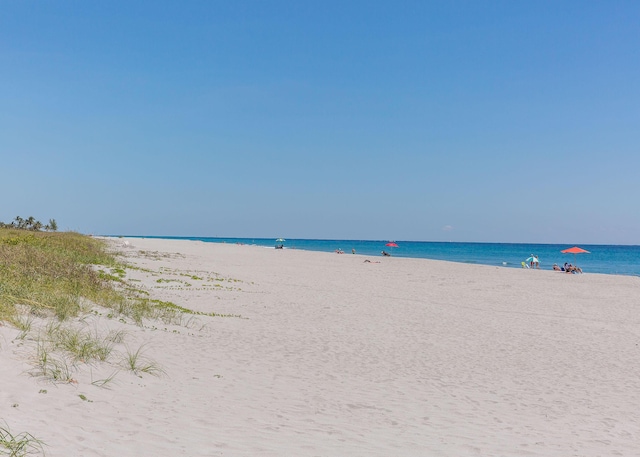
pixel 606 259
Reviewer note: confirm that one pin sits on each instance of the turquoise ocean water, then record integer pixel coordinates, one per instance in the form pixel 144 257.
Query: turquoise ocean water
pixel 607 259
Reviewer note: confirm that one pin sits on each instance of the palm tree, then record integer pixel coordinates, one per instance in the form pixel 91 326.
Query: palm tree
pixel 31 224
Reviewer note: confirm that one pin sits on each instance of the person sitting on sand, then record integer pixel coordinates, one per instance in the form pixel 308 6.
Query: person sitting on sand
pixel 386 254
pixel 556 267
pixel 339 251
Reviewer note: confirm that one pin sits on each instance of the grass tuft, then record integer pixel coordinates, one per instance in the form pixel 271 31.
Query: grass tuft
pixel 19 445
pixel 136 363
pixel 51 366
pixel 106 382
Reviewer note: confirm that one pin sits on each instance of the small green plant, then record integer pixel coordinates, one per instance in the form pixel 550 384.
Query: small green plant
pixel 136 363
pixel 50 367
pixel 23 323
pixel 116 336
pixel 19 445
pixel 82 345
pixel 120 272
pixel 106 382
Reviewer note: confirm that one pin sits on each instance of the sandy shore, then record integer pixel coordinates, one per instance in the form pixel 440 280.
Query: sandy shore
pixel 328 355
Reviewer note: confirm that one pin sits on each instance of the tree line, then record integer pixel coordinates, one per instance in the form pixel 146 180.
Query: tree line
pixel 30 223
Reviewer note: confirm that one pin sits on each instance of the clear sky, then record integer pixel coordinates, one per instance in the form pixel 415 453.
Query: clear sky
pixel 506 121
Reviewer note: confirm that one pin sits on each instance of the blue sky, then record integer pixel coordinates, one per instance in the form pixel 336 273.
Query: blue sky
pixel 467 121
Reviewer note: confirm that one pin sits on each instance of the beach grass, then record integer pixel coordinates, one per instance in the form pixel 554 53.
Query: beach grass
pixel 135 362
pixel 51 366
pixel 51 282
pixel 63 274
pixel 105 383
pixel 19 445
pixel 53 273
pixel 82 345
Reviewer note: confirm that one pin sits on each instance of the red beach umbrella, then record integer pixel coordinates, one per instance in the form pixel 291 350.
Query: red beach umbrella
pixel 391 244
pixel 575 250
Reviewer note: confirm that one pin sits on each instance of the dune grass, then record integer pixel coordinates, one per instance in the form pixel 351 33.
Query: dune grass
pixel 19 445
pixel 81 344
pixel 51 366
pixel 61 274
pixel 135 362
pixel 53 273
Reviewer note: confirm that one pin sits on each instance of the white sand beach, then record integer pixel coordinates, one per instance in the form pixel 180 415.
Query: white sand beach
pixel 328 355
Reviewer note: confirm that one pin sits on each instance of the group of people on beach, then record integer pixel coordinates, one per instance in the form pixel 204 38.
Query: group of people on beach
pixel 567 268
pixel 534 262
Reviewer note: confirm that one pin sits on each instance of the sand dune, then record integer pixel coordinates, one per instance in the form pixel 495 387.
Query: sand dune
pixel 326 355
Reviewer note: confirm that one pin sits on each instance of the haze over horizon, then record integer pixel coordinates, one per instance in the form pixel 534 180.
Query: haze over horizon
pixel 452 121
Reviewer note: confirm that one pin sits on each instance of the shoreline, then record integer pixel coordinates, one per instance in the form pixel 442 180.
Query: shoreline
pixel 334 356
pixel 603 259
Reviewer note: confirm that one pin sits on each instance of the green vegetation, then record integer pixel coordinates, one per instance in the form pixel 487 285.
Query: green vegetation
pixel 136 363
pixel 106 382
pixel 56 273
pixel 19 445
pixel 47 279
pixel 53 273
pixel 30 224
pixel 51 366
pixel 80 344
pixel 172 307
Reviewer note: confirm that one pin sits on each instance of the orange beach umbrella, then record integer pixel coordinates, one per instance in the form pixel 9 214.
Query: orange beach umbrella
pixel 391 244
pixel 575 250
